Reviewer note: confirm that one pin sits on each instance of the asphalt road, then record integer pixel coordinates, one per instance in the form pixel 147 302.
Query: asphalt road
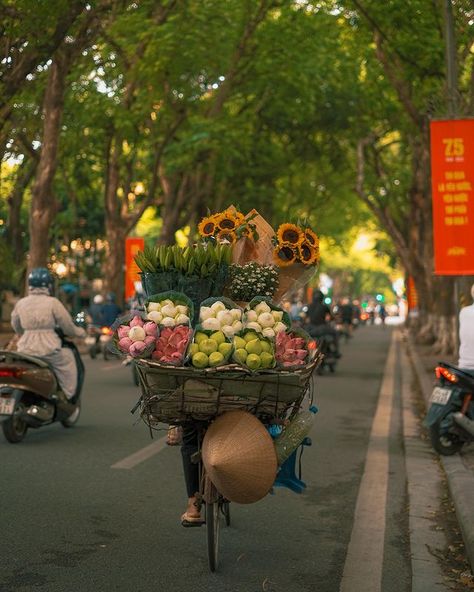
pixel 71 522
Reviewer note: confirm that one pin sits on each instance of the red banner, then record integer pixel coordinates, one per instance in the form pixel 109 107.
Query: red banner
pixel 132 246
pixel 412 295
pixel 452 181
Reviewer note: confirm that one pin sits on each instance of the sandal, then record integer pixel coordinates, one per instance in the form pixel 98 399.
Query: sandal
pixel 189 521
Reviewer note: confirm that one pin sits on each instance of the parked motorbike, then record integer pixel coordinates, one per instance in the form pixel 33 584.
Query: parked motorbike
pixel 450 418
pixel 30 396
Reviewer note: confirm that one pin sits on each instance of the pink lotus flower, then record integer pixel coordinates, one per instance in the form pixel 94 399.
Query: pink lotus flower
pixel 149 340
pixel 151 328
pixel 137 348
pixel 136 321
pixel 123 331
pixel 124 344
pixel 301 354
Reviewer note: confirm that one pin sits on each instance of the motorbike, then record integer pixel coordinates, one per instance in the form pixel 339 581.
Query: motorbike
pixel 450 418
pixel 30 396
pixel 98 340
pixel 327 345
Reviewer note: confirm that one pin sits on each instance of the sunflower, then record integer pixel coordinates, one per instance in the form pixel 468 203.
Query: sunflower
pixel 284 255
pixel 308 254
pixel 239 218
pixel 207 226
pixel 227 221
pixel 311 237
pixel 226 236
pixel 290 234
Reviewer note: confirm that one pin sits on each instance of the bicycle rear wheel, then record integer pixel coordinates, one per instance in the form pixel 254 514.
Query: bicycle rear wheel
pixel 212 526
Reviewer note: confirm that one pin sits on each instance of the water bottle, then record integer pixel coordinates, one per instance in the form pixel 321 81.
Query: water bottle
pixel 294 434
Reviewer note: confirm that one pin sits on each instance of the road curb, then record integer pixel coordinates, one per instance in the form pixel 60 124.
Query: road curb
pixel 460 478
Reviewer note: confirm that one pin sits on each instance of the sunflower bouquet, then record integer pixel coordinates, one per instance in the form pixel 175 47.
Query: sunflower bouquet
pixel 227 227
pixel 295 244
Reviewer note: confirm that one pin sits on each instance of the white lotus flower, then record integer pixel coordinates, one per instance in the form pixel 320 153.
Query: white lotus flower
pixel 206 313
pixel 237 326
pixel 155 316
pixel 254 326
pixel 266 319
pixel 181 319
pixel 279 327
pixel 228 330
pixel 137 333
pixel 268 332
pixel 277 315
pixel 251 316
pixel 182 309
pixel 167 301
pixel 262 307
pixel 168 310
pixel 236 314
pixel 211 324
pixel 224 317
pixel 168 322
pixel 217 306
pixel 153 306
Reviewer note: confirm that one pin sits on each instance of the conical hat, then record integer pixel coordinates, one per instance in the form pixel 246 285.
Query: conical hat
pixel 239 457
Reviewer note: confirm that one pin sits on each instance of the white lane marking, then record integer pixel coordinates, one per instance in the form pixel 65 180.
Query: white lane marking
pixel 129 462
pixel 364 560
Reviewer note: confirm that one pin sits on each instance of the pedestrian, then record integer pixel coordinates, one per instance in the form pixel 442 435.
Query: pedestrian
pixel 466 336
pixel 36 318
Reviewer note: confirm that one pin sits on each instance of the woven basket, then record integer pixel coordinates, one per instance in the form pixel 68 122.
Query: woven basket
pixel 177 395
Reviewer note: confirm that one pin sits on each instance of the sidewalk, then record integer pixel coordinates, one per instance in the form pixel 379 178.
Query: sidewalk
pixel 459 468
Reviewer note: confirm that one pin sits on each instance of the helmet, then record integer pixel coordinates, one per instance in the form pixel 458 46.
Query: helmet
pixel 40 277
pixel 98 299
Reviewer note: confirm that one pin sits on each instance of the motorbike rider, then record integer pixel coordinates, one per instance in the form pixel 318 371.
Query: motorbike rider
pixel 96 310
pixel 319 317
pixel 111 310
pixel 35 318
pixel 466 336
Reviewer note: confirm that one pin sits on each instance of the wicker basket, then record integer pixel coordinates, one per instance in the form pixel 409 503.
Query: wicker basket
pixel 179 395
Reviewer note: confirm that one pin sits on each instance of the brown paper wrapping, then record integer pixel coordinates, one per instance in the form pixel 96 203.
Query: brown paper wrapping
pixel 261 251
pixel 292 278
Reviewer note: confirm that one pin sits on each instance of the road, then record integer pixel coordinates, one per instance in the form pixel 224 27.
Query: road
pixel 80 513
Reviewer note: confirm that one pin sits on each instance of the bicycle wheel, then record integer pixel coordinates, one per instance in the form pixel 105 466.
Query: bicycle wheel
pixel 226 512
pixel 212 525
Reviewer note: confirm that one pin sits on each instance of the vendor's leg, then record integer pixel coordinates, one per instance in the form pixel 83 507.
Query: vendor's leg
pixel 190 469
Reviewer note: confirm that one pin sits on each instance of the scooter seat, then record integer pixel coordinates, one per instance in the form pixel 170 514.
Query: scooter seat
pixel 5 355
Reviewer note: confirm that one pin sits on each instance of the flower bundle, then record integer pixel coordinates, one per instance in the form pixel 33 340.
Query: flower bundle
pixel 227 226
pixel 252 278
pixel 295 244
pixel 136 336
pixel 264 317
pixel 172 344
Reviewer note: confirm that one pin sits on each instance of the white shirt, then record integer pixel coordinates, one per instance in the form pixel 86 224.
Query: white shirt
pixel 466 337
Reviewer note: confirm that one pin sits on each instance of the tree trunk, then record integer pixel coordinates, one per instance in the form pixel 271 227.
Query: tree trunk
pixel 43 204
pixel 15 201
pixel 115 265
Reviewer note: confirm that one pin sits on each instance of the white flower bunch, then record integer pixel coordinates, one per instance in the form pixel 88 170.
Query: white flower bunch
pixel 168 313
pixel 251 279
pixel 263 319
pixel 219 318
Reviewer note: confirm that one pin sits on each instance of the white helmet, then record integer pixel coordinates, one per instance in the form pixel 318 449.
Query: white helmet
pixel 98 299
